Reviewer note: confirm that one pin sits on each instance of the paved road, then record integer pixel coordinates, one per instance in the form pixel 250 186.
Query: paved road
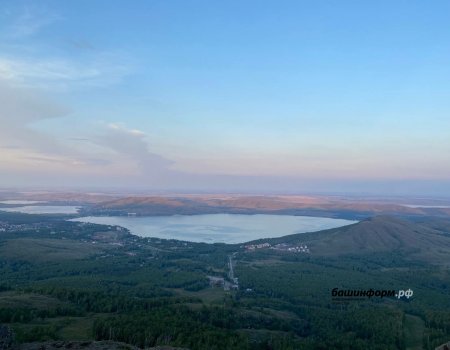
pixel 230 266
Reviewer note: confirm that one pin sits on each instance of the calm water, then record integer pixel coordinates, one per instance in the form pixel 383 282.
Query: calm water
pixel 44 209
pixel 19 202
pixel 426 206
pixel 212 228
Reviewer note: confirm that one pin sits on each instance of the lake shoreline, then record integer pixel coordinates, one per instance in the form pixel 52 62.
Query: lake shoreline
pixel 217 228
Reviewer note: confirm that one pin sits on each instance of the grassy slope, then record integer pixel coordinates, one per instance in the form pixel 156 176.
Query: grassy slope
pixel 413 332
pixel 40 250
pixel 426 241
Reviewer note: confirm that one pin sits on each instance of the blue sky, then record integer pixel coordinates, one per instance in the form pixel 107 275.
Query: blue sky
pixel 210 95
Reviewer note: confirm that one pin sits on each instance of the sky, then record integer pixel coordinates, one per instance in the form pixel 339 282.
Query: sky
pixel 259 96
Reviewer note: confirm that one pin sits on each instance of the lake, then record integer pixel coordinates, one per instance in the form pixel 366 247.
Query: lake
pixel 19 202
pixel 218 228
pixel 43 209
pixel 426 206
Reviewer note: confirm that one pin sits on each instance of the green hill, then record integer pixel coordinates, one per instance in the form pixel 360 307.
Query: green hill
pixel 426 240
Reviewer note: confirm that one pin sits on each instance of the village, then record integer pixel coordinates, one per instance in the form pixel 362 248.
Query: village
pixel 8 227
pixel 283 247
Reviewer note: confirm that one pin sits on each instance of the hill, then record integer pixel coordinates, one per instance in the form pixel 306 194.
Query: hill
pixel 240 204
pixel 425 240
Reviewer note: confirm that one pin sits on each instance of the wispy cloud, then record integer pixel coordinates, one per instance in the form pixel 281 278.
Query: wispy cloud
pixel 28 72
pixel 107 148
pixel 30 21
pixel 27 62
pixel 132 144
pixel 20 110
pixel 102 70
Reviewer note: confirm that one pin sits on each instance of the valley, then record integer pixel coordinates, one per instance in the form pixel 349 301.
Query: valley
pixel 68 281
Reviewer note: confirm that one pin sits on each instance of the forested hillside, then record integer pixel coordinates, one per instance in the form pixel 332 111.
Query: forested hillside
pixel 70 281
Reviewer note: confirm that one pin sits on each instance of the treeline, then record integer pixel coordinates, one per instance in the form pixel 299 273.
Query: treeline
pixel 208 328
pixel 102 302
pixel 222 328
pixel 25 315
pixel 438 328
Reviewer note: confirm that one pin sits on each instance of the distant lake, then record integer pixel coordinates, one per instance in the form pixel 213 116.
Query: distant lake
pixel 218 228
pixel 426 206
pixel 19 202
pixel 43 209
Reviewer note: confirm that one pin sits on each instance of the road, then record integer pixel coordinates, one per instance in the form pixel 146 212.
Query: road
pixel 231 276
pixel 230 267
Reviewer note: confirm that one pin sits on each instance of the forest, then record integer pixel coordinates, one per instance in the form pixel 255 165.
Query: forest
pixel 63 280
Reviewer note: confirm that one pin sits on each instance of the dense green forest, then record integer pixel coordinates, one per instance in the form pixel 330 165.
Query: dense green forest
pixel 67 280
